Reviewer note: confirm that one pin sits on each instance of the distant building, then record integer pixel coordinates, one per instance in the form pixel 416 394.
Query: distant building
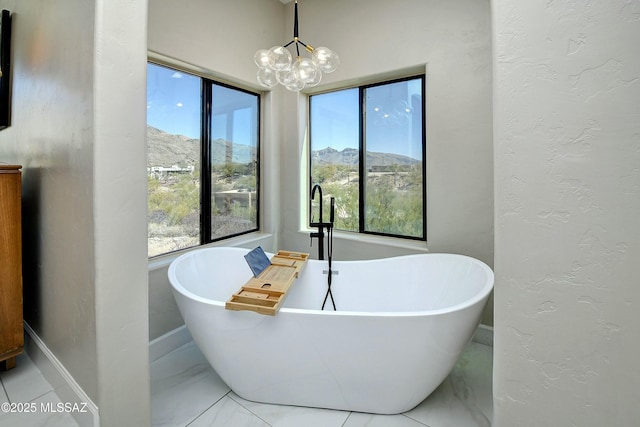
pixel 223 200
pixel 160 171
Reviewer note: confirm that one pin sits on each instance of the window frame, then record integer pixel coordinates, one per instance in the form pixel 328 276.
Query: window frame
pixel 206 118
pixel 205 149
pixel 362 153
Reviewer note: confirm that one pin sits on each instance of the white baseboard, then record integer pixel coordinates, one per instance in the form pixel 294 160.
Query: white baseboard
pixel 168 342
pixel 67 389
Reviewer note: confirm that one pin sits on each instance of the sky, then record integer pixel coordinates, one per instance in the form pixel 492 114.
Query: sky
pixel 174 105
pixel 392 124
pixel 173 101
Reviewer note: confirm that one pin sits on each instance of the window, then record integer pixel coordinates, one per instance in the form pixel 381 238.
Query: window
pixel 368 151
pixel 202 161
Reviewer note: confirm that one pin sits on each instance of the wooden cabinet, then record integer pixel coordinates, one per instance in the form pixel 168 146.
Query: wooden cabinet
pixel 11 326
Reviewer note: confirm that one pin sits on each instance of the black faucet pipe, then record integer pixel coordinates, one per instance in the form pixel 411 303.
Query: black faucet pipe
pixel 320 225
pixel 330 255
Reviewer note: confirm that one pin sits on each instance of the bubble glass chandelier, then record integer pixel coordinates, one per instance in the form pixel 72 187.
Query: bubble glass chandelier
pixel 277 65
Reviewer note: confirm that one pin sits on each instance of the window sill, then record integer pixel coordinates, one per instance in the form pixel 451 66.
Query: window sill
pixel 411 245
pixel 163 261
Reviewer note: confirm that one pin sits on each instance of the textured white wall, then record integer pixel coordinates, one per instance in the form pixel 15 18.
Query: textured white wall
pixel 567 177
pixel 119 211
pixel 218 36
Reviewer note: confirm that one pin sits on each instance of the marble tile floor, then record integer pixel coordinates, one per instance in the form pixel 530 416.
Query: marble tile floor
pixel 186 391
pixel 28 400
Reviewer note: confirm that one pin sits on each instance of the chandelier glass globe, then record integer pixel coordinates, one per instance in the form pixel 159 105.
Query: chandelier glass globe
pixel 267 77
pixel 261 58
pixel 326 59
pixel 279 58
pixel 304 69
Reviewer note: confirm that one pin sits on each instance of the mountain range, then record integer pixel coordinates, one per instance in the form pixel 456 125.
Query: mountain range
pixel 165 149
pixel 350 156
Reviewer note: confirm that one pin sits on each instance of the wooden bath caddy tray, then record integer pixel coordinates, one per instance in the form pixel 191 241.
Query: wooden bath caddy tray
pixel 265 294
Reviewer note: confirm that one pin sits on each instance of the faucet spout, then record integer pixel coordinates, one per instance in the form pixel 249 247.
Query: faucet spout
pixel 320 225
pixel 313 196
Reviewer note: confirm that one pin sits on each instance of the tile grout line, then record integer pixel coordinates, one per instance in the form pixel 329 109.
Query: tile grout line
pixel 254 414
pixel 212 405
pixel 413 419
pixel 5 389
pixel 35 397
pixel 346 419
pixel 44 394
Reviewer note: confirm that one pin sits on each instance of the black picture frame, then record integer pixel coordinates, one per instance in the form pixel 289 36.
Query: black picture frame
pixel 5 67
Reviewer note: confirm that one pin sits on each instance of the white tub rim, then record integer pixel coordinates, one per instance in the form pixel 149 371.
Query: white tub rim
pixel 479 296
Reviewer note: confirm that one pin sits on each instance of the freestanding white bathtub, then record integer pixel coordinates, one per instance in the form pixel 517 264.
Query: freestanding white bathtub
pixel 401 325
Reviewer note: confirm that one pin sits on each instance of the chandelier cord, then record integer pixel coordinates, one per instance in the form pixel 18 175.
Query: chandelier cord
pixel 295 21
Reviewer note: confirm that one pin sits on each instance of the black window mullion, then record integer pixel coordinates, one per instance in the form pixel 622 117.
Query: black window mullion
pixel 424 156
pixel 310 183
pixel 258 163
pixel 361 161
pixel 205 161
